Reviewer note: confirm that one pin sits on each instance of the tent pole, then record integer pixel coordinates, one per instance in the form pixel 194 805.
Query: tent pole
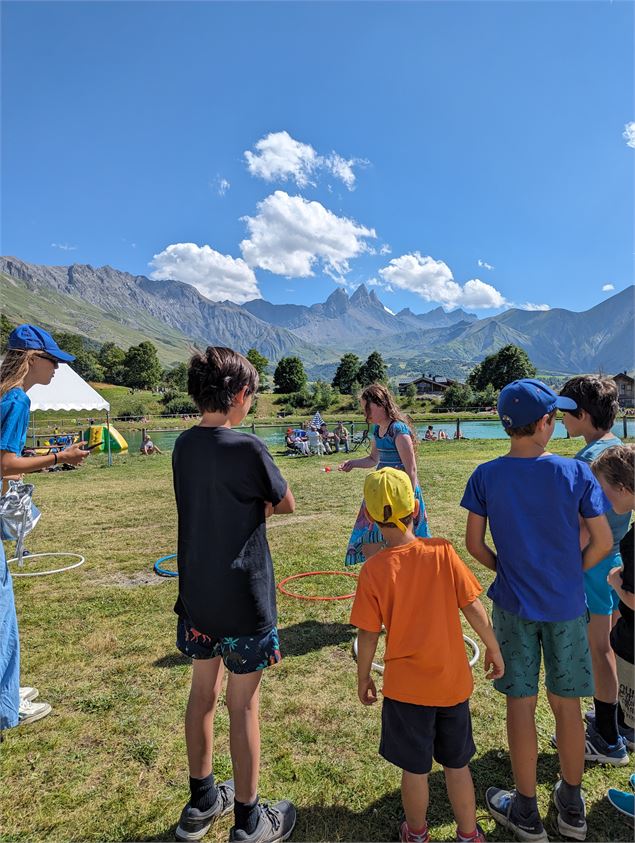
pixel 108 426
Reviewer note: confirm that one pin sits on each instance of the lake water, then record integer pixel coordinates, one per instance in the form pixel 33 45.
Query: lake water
pixel 274 435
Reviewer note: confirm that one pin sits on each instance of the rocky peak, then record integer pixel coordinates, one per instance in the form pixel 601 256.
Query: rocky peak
pixel 337 302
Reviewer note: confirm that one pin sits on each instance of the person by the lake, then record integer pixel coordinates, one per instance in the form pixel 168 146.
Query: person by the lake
pixel 615 470
pixel 393 445
pixel 226 485
pixel 32 357
pixel 607 734
pixel 427 677
pixel 533 501
pixel 430 435
pixel 148 447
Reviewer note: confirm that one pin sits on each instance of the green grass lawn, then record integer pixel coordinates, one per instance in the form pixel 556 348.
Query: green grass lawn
pixel 110 764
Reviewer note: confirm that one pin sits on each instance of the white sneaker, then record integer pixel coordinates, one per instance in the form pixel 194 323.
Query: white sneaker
pixel 29 711
pixel 28 693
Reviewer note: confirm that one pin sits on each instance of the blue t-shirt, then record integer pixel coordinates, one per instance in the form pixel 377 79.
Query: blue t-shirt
pixel 618 523
pixel 386 445
pixel 532 506
pixel 15 406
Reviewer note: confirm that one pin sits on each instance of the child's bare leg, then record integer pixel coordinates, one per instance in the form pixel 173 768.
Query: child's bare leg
pixel 244 732
pixel 569 736
pixel 207 678
pixel 414 796
pixel 461 795
pixel 603 658
pixel 523 743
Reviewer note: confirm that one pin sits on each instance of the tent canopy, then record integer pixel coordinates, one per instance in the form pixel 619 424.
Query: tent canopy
pixel 66 391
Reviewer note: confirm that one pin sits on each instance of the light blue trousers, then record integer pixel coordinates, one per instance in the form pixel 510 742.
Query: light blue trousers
pixel 9 650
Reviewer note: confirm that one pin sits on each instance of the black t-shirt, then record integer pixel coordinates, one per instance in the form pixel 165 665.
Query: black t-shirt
pixel 622 632
pixel 222 478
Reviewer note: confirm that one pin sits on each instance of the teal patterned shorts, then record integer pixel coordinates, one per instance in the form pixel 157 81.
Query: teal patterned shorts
pixel 242 654
pixel 563 644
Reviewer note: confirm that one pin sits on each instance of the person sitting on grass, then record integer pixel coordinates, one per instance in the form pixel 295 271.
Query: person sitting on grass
pixel 226 485
pixel 148 447
pixel 533 501
pixel 430 435
pixel 615 470
pixel 607 736
pixel 427 678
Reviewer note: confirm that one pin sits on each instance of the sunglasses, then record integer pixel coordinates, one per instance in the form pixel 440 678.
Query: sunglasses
pixel 50 359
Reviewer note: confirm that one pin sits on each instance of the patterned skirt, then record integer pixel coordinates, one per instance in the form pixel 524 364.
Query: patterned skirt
pixel 367 532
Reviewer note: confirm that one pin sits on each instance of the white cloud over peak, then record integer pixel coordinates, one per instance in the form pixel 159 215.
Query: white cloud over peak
pixel 529 306
pixel 433 281
pixel 65 247
pixel 606 288
pixel 629 134
pixel 485 265
pixel 290 235
pixel 279 157
pixel 216 276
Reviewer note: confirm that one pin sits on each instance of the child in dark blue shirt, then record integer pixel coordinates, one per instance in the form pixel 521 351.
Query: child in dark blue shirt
pixel 533 501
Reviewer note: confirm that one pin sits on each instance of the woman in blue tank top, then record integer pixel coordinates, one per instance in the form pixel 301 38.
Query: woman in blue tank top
pixel 393 445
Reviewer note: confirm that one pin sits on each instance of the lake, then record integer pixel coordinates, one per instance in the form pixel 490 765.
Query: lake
pixel 274 435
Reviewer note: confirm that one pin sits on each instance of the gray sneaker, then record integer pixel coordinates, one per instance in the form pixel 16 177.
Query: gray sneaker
pixel 194 824
pixel 276 823
pixel 571 824
pixel 502 806
pixel 29 712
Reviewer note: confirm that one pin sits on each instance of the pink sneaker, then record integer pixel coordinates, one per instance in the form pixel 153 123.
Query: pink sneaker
pixel 477 837
pixel 407 835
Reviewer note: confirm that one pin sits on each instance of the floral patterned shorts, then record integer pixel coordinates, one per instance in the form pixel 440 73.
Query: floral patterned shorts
pixel 242 654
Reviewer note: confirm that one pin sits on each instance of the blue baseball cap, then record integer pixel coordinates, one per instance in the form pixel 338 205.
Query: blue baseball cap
pixel 32 338
pixel 527 400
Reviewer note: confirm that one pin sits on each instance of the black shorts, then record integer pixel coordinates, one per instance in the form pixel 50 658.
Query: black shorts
pixel 412 735
pixel 243 654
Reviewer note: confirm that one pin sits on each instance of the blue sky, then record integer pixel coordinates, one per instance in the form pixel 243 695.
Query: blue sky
pixel 465 154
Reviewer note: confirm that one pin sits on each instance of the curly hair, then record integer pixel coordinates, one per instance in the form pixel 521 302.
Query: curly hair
pixel 215 377
pixel 617 466
pixel 597 396
pixel 381 396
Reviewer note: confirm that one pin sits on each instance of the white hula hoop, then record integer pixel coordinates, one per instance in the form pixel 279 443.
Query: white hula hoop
pixel 476 653
pixel 82 559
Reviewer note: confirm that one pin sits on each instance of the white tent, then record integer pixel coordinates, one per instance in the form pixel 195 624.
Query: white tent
pixel 68 391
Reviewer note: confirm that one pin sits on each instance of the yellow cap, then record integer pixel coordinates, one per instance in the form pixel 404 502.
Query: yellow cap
pixel 389 487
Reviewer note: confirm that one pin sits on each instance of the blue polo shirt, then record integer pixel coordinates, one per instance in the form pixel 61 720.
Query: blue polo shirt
pixel 532 506
pixel 617 523
pixel 15 406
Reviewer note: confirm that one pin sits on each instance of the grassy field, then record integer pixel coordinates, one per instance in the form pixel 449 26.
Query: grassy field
pixel 109 763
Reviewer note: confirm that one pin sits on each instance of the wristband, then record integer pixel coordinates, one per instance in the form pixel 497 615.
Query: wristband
pixel 54 459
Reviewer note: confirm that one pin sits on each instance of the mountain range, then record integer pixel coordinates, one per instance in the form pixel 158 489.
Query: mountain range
pixel 108 304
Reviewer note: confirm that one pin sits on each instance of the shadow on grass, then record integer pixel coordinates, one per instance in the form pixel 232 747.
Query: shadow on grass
pixel 173 660
pixel 309 636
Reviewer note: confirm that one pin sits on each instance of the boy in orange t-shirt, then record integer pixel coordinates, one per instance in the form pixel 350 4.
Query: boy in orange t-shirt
pixel 415 588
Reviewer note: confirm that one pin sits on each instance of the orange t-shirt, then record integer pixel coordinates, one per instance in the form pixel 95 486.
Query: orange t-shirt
pixel 416 591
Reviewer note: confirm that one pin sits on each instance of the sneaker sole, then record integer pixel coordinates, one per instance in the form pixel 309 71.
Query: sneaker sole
pixel 520 834
pixel 32 718
pixel 605 759
pixel 182 834
pixel 571 831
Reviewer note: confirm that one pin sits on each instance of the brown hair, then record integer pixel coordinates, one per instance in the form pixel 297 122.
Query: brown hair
pixel 381 396
pixel 617 466
pixel 527 429
pixel 217 376
pixel 406 520
pixel 14 369
pixel 598 396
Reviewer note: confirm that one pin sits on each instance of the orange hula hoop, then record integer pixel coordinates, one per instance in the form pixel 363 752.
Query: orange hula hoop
pixel 316 574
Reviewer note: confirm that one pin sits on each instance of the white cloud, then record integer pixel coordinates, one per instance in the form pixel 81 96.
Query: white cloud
pixel 290 235
pixel 606 288
pixel 485 265
pixel 223 187
pixel 385 249
pixel 216 276
pixel 65 247
pixel 278 156
pixel 629 134
pixel 433 281
pixel 530 306
pixel 388 310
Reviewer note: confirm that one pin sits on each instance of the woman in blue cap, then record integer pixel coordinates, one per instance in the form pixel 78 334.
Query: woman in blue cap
pixel 32 357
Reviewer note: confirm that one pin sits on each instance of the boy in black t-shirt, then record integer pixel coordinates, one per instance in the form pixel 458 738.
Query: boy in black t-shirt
pixel 226 485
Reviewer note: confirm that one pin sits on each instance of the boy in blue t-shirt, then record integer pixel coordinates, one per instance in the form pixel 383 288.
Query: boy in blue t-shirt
pixel 608 736
pixel 533 501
